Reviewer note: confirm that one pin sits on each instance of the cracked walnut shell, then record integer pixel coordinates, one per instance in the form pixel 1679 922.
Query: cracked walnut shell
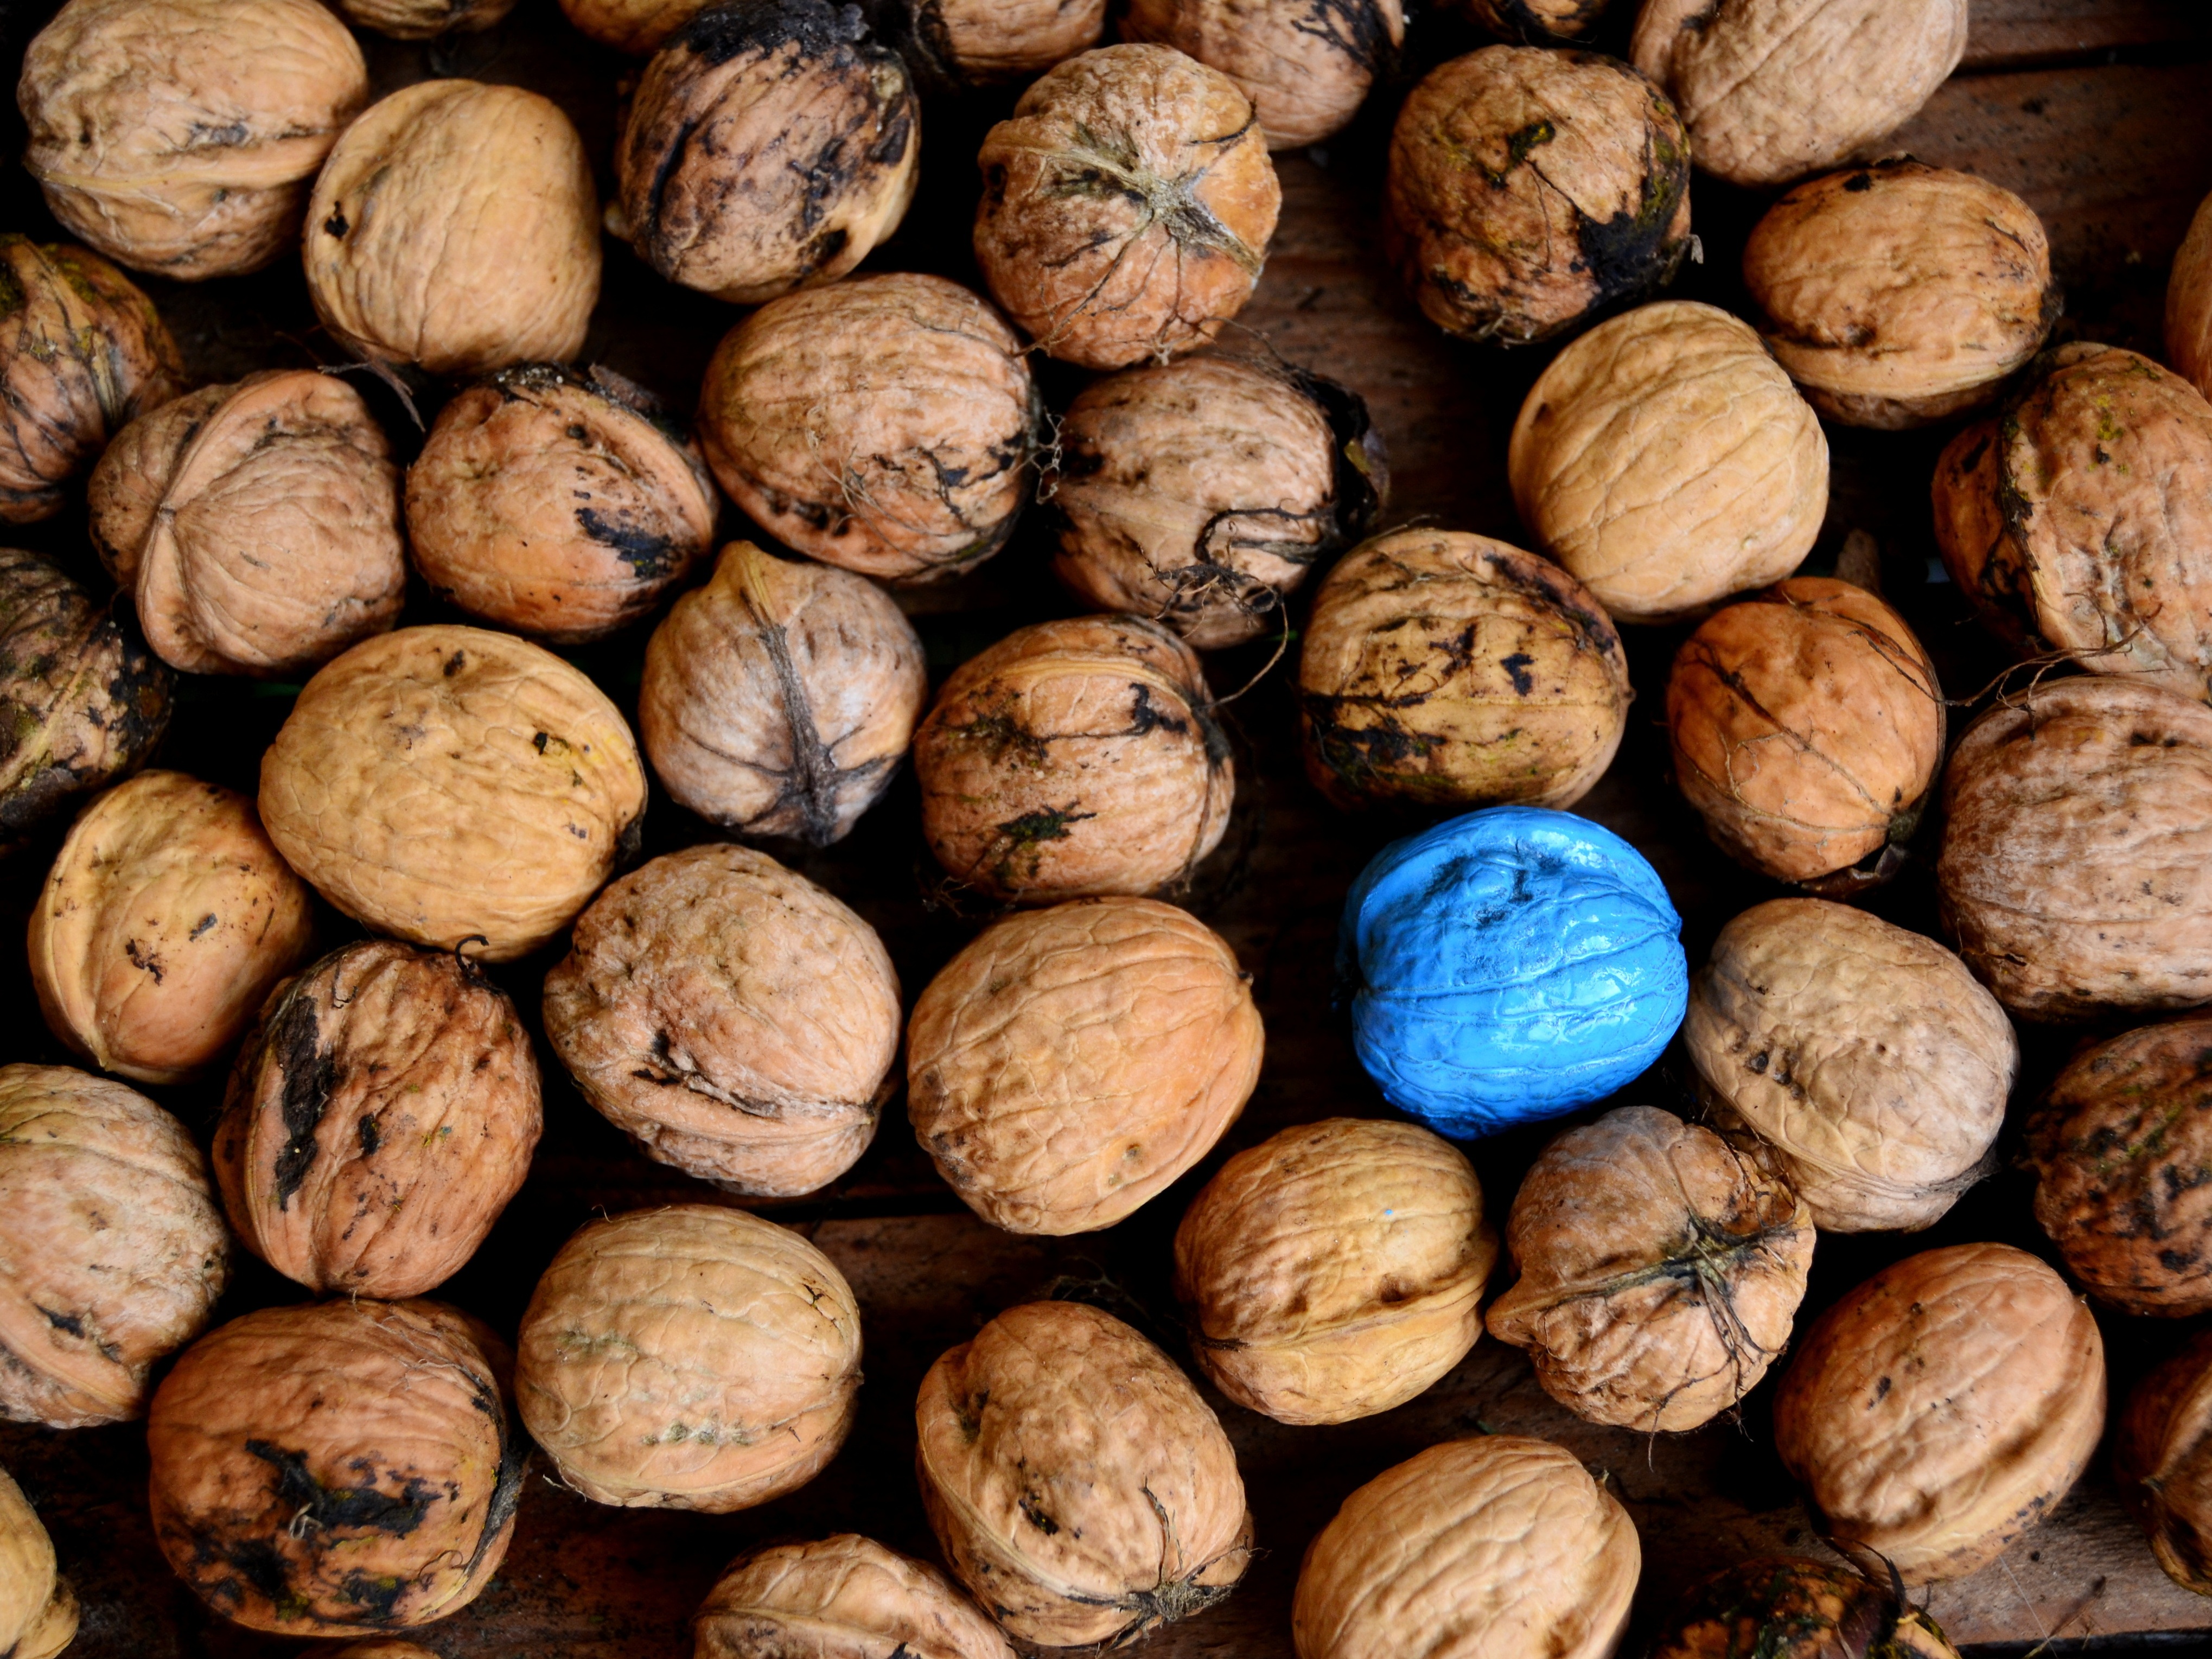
pixel 38 1608
pixel 2162 1463
pixel 1306 64
pixel 845 1596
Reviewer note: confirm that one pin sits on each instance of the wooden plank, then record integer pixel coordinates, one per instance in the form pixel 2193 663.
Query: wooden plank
pixel 2014 34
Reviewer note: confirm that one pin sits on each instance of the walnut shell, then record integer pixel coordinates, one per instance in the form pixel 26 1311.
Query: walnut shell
pixel 779 698
pixel 1807 727
pixel 1071 1063
pixel 167 917
pixel 691 1357
pixel 81 353
pixel 845 1596
pixel 1388 1308
pixel 2076 872
pixel 111 1248
pixel 771 144
pixel 1306 64
pixel 2119 1148
pixel 2189 303
pixel 1503 1542
pixel 379 1117
pixel 884 423
pixel 1667 462
pixel 1527 188
pixel 1076 1481
pixel 1774 90
pixel 337 1467
pixel 82 701
pixel 1445 669
pixel 1127 206
pixel 1942 1408
pixel 1864 1057
pixel 637 27
pixel 37 1610
pixel 178 136
pixel 370 1650
pixel 958 46
pixel 730 1017
pixel 1072 759
pixel 258 524
pixel 1199 492
pixel 425 19
pixel 446 783
pixel 1790 1606
pixel 454 227
pixel 2162 1463
pixel 1535 22
pixel 2076 523
pixel 559 504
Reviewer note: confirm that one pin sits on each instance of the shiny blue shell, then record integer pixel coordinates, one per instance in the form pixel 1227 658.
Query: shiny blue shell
pixel 1507 966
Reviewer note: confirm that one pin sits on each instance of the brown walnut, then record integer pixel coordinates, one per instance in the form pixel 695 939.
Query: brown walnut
pixel 958 46
pixel 2189 303
pixel 845 1596
pixel 38 1608
pixel 637 27
pixel 1791 1606
pixel 1306 64
pixel 425 19
pixel 372 1650
pixel 1536 23
pixel 2162 1463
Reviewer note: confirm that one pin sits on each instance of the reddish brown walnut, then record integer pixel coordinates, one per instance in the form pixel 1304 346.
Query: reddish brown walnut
pixel 2189 303
pixel 2162 1463
pixel 957 46
pixel 1306 64
pixel 845 1594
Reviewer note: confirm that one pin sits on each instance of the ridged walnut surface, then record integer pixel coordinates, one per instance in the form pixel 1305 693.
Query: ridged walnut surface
pixel 2162 1463
pixel 956 46
pixel 425 19
pixel 37 1610
pixel 2189 303
pixel 845 1597
pixel 1306 67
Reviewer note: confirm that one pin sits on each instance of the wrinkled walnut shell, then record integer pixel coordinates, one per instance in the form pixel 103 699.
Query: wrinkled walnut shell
pixel 425 19
pixel 958 46
pixel 844 1595
pixel 2189 303
pixel 38 1608
pixel 1306 67
pixel 1790 1606
pixel 692 1357
pixel 636 26
pixel 2162 1463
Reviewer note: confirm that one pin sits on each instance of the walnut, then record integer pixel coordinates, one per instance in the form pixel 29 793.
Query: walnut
pixel 81 353
pixel 556 503
pixel 958 46
pixel 454 227
pixel 381 1115
pixel 884 423
pixel 771 144
pixel 1503 1541
pixel 114 1248
pixel 731 1018
pixel 779 698
pixel 372 1650
pixel 1389 1307
pixel 1527 188
pixel 38 1608
pixel 1864 1058
pixel 1942 1408
pixel 1200 492
pixel 692 1357
pixel 179 136
pixel 338 1468
pixel 1774 90
pixel 1075 1479
pixel 1667 462
pixel 846 1595
pixel 1074 758
pixel 1306 64
pixel 1536 23
pixel 1127 206
pixel 2189 303
pixel 637 27
pixel 448 783
pixel 2075 873
pixel 2162 1464
pixel 256 525
pixel 425 19
pixel 1790 1606
pixel 1445 669
pixel 1071 1063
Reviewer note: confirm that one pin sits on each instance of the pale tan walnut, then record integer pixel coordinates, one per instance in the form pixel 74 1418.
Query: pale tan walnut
pixel 167 917
pixel 1528 187
pixel 1666 460
pixel 1076 1481
pixel 1074 759
pixel 81 354
pixel 771 144
pixel 1200 492
pixel 637 27
pixel 1793 1606
pixel 425 19
pixel 1071 1063
pixel 1536 23
pixel 1504 1543
pixel 958 46
pixel 1806 727
pixel 1389 1306
pixel 256 524
pixel 113 1250
pixel 2076 521
pixel 1774 90
pixel 379 1116
pixel 1660 1269
pixel 692 1357
pixel 731 1018
pixel 1445 669
pixel 1941 1409
pixel 2162 1463
pixel 1306 64
pixel 2076 867
pixel 557 503
pixel 886 423
pixel 444 784
pixel 37 1610
pixel 1865 1058
pixel 455 227
pixel 338 1468
pixel 2189 303
pixel 1127 206
pixel 178 136
pixel 779 698
pixel 846 1597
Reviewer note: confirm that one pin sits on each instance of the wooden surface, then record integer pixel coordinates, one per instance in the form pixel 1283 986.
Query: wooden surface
pixel 2113 154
